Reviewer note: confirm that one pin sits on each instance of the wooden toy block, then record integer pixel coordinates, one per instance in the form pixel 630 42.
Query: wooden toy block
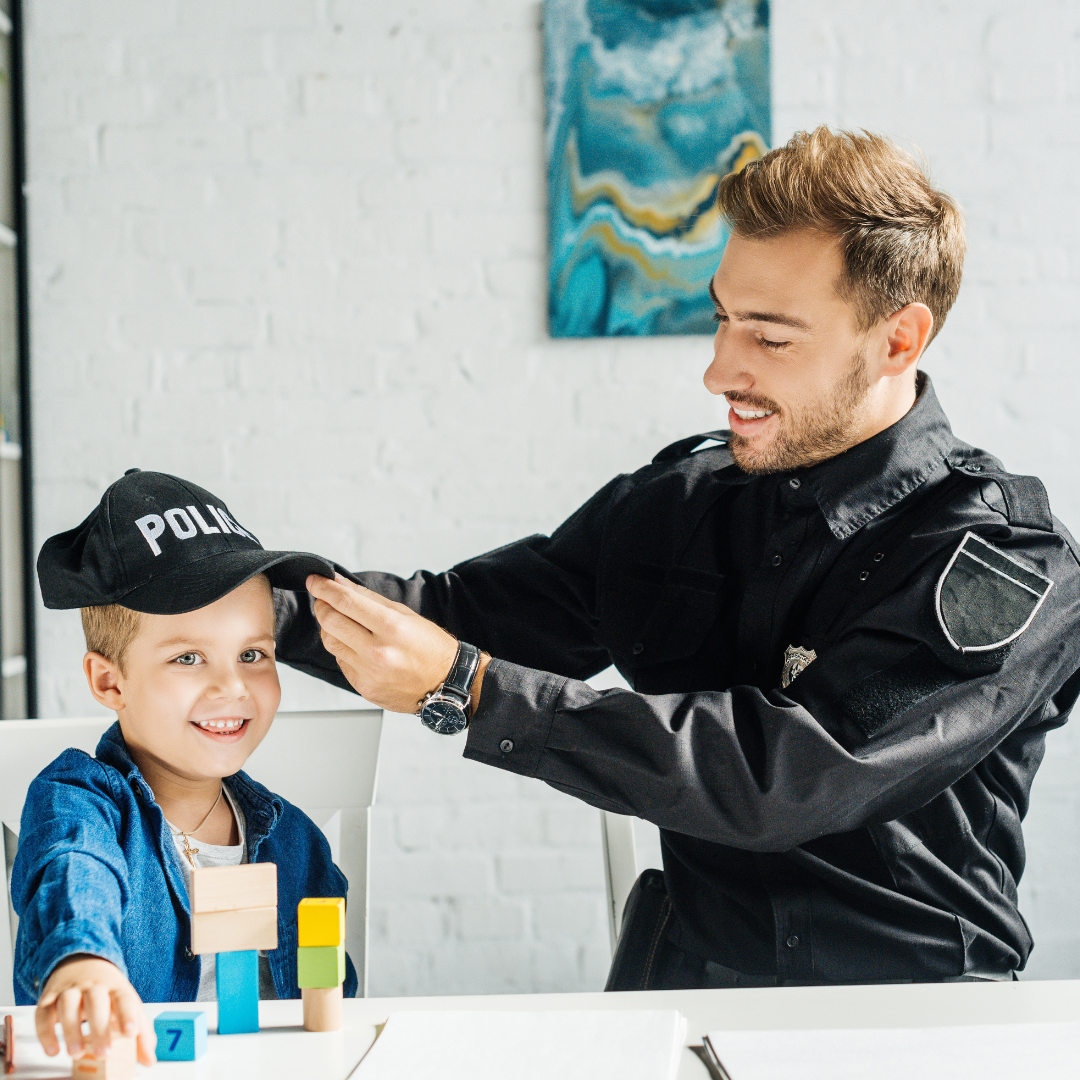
pixel 320 967
pixel 321 921
pixel 322 1008
pixel 230 888
pixel 119 1063
pixel 237 977
pixel 181 1036
pixel 7 1045
pixel 234 931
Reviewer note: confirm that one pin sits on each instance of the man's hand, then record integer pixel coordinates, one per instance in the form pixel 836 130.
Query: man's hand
pixel 84 987
pixel 390 655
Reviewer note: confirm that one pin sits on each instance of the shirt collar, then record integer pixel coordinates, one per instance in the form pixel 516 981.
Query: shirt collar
pixel 261 807
pixel 858 485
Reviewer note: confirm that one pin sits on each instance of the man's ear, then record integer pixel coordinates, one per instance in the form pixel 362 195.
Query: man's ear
pixel 103 678
pixel 907 332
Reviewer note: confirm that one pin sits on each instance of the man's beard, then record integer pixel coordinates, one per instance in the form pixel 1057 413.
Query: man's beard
pixel 814 434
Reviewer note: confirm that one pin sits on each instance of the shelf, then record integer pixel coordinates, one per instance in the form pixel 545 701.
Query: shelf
pixel 10 450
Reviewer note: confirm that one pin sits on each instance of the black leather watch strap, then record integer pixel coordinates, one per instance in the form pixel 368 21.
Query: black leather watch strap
pixel 462 671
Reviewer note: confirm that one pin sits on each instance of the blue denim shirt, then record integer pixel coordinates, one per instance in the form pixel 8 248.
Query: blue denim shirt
pixel 97 872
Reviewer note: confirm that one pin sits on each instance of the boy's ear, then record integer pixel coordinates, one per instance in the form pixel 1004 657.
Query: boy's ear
pixel 103 678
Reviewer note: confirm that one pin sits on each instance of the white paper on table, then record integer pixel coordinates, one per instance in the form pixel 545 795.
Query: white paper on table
pixel 979 1052
pixel 602 1044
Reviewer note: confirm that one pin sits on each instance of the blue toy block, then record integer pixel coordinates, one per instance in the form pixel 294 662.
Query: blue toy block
pixel 181 1036
pixel 237 978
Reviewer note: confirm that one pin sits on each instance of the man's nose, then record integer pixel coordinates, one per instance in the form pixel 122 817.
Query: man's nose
pixel 725 373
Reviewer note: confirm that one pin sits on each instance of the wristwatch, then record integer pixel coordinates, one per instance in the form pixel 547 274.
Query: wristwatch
pixel 444 709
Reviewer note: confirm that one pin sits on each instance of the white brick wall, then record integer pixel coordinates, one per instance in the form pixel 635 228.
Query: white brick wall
pixel 293 249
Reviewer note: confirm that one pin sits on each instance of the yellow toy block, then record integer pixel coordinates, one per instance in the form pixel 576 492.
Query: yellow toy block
pixel 320 921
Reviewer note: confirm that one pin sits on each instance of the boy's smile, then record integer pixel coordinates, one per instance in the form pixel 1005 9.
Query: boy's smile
pixel 197 692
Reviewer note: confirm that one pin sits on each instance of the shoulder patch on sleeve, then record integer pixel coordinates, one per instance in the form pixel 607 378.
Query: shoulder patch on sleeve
pixel 985 598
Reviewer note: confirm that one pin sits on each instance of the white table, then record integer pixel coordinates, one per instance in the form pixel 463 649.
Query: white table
pixel 283 1049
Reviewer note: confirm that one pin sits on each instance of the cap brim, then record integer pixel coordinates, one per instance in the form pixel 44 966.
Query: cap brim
pixel 197 584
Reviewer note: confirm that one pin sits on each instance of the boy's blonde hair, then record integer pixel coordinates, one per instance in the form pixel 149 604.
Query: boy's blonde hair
pixel 109 630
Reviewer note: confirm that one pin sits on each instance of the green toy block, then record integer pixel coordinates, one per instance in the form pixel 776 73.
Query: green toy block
pixel 320 966
pixel 320 921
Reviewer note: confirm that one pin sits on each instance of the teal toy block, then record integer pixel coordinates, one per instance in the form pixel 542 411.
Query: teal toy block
pixel 237 978
pixel 181 1036
pixel 320 967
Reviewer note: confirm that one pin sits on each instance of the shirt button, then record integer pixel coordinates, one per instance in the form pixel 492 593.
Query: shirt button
pixel 777 560
pixel 637 648
pixel 864 574
pixel 879 556
pixel 795 483
pixel 506 746
pixel 792 942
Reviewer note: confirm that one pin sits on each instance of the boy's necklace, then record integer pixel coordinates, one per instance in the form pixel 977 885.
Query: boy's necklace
pixel 190 851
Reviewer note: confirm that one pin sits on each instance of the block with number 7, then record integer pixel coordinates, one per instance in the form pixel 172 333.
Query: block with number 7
pixel 181 1036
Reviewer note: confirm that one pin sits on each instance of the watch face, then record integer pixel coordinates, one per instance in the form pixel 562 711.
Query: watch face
pixel 444 717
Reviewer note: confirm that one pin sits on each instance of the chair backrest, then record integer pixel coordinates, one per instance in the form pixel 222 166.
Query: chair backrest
pixel 324 762
pixel 620 866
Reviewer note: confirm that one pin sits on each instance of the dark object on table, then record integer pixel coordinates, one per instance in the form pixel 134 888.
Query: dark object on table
pixel 8 1045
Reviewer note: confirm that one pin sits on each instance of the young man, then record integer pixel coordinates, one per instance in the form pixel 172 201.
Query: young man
pixel 847 631
pixel 179 618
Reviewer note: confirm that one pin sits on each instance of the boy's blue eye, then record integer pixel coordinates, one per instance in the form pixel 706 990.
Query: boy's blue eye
pixel 250 656
pixel 188 659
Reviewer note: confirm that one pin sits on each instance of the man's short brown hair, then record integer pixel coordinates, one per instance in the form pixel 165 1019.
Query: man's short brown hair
pixel 902 239
pixel 109 630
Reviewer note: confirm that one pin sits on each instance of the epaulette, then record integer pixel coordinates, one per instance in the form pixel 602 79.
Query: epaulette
pixel 685 447
pixel 1026 501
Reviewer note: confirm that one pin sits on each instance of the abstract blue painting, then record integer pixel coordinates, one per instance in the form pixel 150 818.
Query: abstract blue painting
pixel 649 104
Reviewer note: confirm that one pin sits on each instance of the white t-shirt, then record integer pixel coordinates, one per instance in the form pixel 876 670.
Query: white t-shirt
pixel 222 855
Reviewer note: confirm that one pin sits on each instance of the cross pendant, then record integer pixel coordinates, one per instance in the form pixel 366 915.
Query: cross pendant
pixel 189 851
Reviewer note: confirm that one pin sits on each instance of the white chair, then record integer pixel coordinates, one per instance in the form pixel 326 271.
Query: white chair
pixel 620 866
pixel 630 847
pixel 323 762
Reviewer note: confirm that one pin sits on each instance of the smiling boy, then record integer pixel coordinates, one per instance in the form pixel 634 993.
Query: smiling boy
pixel 178 614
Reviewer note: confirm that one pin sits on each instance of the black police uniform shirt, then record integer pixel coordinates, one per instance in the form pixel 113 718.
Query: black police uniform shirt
pixel 858 819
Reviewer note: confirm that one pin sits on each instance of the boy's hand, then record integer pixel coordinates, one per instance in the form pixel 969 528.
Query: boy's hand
pixel 84 987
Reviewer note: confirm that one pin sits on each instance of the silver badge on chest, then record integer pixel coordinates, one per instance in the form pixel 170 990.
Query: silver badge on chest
pixel 796 661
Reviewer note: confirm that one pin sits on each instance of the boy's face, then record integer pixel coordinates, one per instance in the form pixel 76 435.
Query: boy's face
pixel 198 691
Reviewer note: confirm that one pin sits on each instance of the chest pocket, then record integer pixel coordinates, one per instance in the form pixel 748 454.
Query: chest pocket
pixel 655 614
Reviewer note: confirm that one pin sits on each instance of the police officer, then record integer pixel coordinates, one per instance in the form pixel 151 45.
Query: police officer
pixel 847 631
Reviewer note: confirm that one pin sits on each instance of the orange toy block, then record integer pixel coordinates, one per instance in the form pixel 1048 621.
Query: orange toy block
pixel 322 1008
pixel 234 931
pixel 118 1065
pixel 233 888
pixel 320 921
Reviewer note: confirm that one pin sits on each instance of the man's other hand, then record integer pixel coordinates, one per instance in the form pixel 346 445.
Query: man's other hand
pixel 390 655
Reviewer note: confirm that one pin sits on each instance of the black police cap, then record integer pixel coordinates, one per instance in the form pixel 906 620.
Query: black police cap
pixel 158 544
